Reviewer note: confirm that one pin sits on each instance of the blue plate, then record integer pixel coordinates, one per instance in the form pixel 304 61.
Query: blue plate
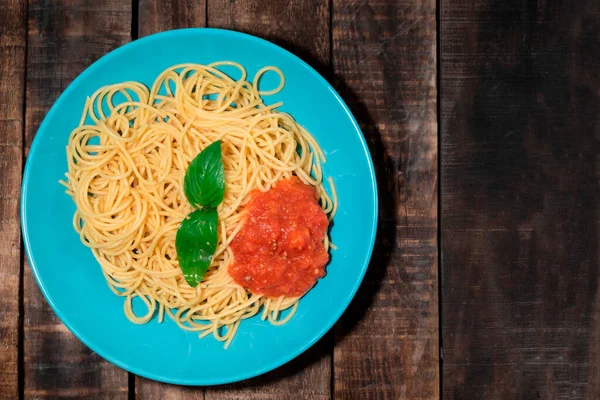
pixel 71 279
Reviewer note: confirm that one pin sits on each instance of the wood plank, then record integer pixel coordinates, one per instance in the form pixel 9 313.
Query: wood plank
pixel 64 38
pixel 520 123
pixel 13 36
pixel 384 61
pixel 151 390
pixel 304 30
pixel 163 15
pixel 157 16
pixel 303 27
pixel 306 377
pixel 300 26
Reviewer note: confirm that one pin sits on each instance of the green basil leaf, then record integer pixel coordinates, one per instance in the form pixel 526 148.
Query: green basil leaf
pixel 196 242
pixel 204 181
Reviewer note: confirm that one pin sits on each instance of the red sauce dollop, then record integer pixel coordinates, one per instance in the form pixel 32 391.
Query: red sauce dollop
pixel 279 250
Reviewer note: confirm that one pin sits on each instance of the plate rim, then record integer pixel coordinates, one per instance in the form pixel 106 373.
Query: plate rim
pixel 170 35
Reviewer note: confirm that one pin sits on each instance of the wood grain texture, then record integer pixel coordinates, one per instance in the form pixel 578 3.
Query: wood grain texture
pixel 306 377
pixel 163 15
pixel 384 61
pixel 64 38
pixel 13 35
pixel 520 129
pixel 146 389
pixel 301 26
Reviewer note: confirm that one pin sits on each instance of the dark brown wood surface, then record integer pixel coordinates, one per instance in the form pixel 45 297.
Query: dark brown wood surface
pixel 520 113
pixel 13 39
pixel 384 64
pixel 64 37
pixel 519 132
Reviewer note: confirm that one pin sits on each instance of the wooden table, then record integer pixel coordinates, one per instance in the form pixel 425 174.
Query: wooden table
pixel 483 121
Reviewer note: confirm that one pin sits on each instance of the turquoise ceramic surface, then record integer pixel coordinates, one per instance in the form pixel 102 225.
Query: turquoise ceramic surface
pixel 71 279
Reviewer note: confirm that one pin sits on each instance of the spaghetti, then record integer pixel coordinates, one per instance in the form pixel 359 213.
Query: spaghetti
pixel 126 164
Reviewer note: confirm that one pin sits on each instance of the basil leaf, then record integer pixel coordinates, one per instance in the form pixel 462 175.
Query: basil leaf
pixel 196 242
pixel 204 181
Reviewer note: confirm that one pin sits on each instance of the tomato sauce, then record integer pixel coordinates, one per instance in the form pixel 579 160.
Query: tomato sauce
pixel 279 250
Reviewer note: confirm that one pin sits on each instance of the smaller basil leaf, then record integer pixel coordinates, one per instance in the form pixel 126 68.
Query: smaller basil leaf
pixel 196 242
pixel 204 181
